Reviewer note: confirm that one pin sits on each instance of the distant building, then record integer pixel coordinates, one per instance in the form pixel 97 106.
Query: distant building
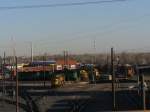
pixel 70 64
pixel 42 63
pixel 51 65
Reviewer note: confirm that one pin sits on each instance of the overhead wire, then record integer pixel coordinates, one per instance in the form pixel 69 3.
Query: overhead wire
pixel 110 28
pixel 59 4
pixel 103 33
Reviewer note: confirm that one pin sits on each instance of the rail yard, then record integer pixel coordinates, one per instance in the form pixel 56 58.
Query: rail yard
pixel 72 97
pixel 69 86
pixel 74 56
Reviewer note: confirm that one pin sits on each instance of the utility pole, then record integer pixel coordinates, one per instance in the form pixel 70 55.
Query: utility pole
pixel 17 89
pixel 94 47
pixel 138 78
pixel 3 77
pixel 64 59
pixel 107 59
pixel 2 73
pixel 4 62
pixel 15 73
pixel 44 63
pixel 67 59
pixel 11 69
pixel 14 55
pixel 31 46
pixel 93 61
pixel 143 92
pixel 107 64
pixel 113 80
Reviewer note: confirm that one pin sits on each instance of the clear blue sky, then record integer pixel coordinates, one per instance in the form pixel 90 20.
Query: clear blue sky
pixel 124 25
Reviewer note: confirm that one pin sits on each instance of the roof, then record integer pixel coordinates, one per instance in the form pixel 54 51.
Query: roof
pixel 70 62
pixel 43 62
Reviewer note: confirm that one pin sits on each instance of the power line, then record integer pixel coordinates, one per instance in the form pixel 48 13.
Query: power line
pixel 107 29
pixel 59 5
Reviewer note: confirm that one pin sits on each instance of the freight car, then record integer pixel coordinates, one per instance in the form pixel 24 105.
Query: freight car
pixel 124 71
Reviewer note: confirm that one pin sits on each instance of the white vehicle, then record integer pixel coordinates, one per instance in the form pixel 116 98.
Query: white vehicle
pixel 138 86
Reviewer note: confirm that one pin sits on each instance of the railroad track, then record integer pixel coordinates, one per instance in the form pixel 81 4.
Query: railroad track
pixel 133 100
pixel 79 104
pixel 76 102
pixel 32 106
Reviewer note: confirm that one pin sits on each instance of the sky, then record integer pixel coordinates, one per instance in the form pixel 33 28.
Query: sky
pixel 123 25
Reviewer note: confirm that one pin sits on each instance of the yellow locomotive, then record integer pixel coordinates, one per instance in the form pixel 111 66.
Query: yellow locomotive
pixel 58 80
pixel 84 75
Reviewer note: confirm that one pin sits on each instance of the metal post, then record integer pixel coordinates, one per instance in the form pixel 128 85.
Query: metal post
pixel 67 60
pixel 113 80
pixel 143 93
pixel 93 79
pixel 17 97
pixel 94 60
pixel 64 59
pixel 4 89
pixel 3 78
pixel 92 69
pixel 138 78
pixel 11 69
pixel 53 67
pixel 31 45
pixel 44 68
pixel 2 68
